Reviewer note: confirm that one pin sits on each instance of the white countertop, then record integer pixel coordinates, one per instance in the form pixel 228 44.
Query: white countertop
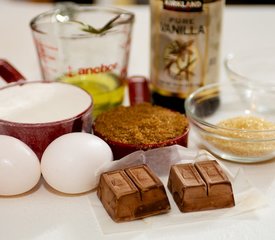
pixel 43 214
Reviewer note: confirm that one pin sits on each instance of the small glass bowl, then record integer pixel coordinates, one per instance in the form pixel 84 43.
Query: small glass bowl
pixel 213 103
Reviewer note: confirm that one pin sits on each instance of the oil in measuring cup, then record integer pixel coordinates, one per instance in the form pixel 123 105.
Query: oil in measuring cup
pixel 106 89
pixel 94 58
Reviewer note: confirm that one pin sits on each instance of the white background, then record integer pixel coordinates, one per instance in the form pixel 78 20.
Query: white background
pixel 44 214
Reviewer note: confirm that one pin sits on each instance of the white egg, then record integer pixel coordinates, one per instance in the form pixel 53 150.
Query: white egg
pixel 69 163
pixel 19 167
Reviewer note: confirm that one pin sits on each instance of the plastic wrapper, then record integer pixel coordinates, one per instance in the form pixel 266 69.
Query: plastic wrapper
pixel 247 197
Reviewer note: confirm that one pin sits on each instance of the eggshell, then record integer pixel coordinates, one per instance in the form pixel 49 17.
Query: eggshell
pixel 69 163
pixel 19 167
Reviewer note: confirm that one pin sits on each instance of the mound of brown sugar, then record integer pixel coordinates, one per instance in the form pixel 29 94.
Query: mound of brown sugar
pixel 140 124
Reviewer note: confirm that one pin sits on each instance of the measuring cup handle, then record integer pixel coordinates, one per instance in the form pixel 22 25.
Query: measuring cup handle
pixel 9 73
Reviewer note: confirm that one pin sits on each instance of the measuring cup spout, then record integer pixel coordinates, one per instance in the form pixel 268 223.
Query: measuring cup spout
pixel 64 12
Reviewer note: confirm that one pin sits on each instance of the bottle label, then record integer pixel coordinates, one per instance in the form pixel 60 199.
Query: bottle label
pixel 185 46
pixel 178 5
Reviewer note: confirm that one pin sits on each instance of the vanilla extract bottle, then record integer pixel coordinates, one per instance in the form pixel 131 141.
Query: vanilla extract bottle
pixel 185 46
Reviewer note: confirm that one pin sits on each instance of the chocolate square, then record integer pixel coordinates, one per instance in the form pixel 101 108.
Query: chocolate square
pixel 200 186
pixel 132 193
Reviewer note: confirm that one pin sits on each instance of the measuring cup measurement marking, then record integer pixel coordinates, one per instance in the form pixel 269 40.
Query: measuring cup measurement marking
pixel 43 52
pixel 48 46
pixel 46 53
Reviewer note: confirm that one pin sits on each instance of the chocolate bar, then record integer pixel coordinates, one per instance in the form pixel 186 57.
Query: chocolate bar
pixel 200 186
pixel 132 193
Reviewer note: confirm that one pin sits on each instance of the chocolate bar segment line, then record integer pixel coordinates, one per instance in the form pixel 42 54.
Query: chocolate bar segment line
pixel 189 175
pixel 152 192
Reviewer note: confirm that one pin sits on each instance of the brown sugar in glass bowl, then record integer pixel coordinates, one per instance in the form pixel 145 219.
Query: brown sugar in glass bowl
pixel 141 127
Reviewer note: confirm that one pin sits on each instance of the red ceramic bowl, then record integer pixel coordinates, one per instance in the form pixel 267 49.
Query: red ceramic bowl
pixel 122 149
pixel 52 112
pixel 39 134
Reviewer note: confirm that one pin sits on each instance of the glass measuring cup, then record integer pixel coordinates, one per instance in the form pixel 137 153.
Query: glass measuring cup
pixel 87 46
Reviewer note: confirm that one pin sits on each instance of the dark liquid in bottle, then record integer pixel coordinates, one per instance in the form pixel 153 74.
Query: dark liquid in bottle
pixel 204 108
pixel 174 103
